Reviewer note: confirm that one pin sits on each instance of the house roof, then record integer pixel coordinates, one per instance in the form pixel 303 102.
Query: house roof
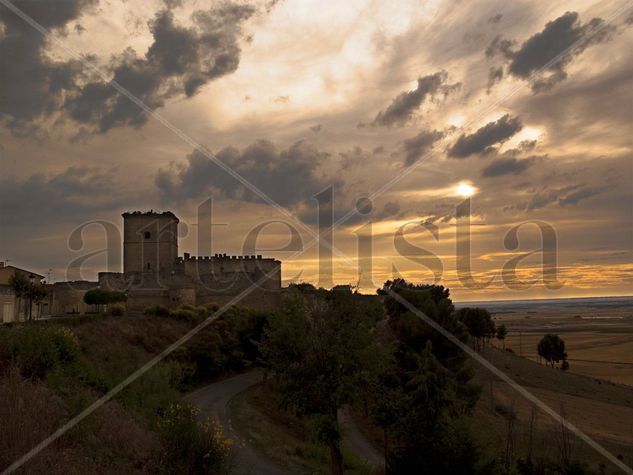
pixel 22 270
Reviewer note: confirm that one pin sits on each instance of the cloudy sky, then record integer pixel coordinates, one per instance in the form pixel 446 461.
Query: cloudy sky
pixel 524 107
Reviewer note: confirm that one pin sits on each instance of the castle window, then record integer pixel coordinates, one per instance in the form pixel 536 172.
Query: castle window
pixel 149 266
pixel 147 234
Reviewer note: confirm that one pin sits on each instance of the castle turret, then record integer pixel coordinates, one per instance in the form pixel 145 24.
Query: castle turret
pixel 150 242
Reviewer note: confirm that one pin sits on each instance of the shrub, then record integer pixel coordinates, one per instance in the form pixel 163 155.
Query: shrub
pixel 117 309
pixel 38 349
pixel 184 314
pixel 201 310
pixel 193 446
pixel 156 311
pixel 211 307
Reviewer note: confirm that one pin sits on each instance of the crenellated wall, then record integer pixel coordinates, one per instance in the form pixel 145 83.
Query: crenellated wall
pixel 154 274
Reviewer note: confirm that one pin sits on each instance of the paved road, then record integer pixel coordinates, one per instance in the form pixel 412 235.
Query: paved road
pixel 214 400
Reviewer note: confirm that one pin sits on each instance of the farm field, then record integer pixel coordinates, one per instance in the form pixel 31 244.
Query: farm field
pixel 598 332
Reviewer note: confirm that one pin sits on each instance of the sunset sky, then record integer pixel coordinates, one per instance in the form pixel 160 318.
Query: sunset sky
pixel 524 107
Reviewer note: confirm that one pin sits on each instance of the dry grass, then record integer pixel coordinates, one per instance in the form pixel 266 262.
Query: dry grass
pixel 598 337
pixel 601 409
pixel 30 412
pixel 112 441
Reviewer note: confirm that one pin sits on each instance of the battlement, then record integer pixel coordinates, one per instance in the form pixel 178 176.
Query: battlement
pixel 151 214
pixel 222 257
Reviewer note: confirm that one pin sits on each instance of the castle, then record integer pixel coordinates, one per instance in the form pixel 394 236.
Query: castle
pixel 154 273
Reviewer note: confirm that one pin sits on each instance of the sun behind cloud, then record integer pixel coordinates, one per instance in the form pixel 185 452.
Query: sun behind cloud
pixel 465 189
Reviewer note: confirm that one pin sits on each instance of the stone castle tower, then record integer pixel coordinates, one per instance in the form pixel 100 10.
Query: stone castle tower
pixel 153 273
pixel 150 242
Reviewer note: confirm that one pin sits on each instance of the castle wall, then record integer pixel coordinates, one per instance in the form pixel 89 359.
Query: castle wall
pixel 68 297
pixel 221 274
pixel 138 299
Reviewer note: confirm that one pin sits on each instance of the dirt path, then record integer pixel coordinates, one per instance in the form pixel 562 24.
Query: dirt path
pixel 355 441
pixel 214 400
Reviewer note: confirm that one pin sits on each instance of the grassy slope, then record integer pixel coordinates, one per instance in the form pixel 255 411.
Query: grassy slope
pixel 601 409
pixel 119 436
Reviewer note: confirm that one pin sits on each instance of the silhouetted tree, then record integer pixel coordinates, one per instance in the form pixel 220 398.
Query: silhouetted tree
pixel 502 332
pixel 552 348
pixel 101 297
pixel 421 396
pixel 19 284
pixel 479 323
pixel 36 292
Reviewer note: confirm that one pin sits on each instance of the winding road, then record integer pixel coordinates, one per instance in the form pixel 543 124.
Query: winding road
pixel 213 400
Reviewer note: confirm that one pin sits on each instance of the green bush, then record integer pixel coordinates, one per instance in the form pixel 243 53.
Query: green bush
pixel 201 310
pixel 156 311
pixel 37 349
pixel 192 446
pixel 117 309
pixel 211 307
pixel 184 314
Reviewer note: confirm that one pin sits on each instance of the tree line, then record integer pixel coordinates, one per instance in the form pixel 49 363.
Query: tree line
pixel 327 349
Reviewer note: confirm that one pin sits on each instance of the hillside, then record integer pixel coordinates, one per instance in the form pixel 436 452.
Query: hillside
pixel 52 370
pixel 601 409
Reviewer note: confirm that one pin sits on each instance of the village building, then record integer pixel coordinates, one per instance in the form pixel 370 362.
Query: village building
pixel 15 308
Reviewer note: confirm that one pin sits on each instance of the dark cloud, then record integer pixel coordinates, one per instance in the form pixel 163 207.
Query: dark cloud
pixel 564 196
pixel 406 103
pixel 178 62
pixel 390 209
pixel 417 146
pixel 289 177
pixel 75 194
pixel 500 46
pixel 353 158
pixel 576 196
pixel 32 84
pixel 593 110
pixel 547 54
pixel 506 166
pixel 487 136
pixel 494 76
pixel 496 18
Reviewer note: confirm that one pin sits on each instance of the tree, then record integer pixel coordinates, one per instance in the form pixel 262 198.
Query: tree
pixel 420 398
pixel 319 354
pixel 502 332
pixel 19 284
pixel 101 297
pixel 479 323
pixel 36 292
pixel 552 348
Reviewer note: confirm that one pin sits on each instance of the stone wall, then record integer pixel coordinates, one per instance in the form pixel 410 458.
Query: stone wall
pixel 65 298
